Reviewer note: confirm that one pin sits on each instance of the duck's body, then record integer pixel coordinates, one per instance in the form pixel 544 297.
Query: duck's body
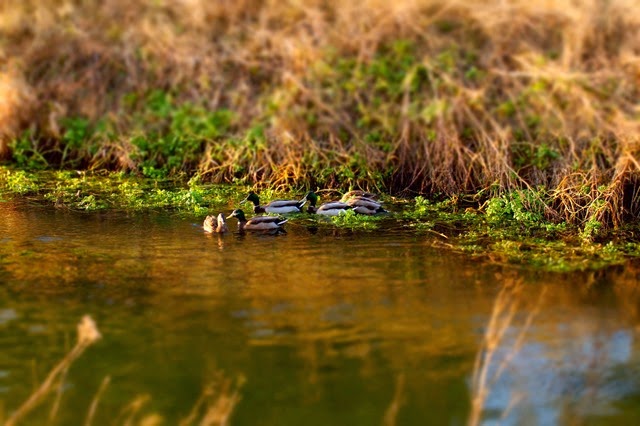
pixel 364 205
pixel 358 193
pixel 332 208
pixel 215 225
pixel 276 206
pixel 257 223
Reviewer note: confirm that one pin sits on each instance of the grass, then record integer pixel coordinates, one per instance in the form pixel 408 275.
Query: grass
pixel 510 230
pixel 95 191
pixel 441 98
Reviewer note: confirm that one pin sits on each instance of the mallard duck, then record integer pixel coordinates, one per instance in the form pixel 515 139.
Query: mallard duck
pixel 257 223
pixel 217 225
pixel 276 206
pixel 332 208
pixel 358 193
pixel 364 205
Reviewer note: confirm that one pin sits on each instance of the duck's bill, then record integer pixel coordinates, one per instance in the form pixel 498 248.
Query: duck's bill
pixel 230 216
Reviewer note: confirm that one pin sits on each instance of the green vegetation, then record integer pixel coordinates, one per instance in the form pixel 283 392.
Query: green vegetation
pixel 116 190
pixel 430 97
pixel 353 221
pixel 507 229
pixel 531 120
pixel 503 231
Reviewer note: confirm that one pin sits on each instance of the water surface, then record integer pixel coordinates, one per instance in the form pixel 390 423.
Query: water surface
pixel 319 326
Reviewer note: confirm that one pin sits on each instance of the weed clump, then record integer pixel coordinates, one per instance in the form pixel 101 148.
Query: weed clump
pixel 409 96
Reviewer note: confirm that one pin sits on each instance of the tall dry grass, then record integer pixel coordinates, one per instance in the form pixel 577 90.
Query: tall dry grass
pixel 425 95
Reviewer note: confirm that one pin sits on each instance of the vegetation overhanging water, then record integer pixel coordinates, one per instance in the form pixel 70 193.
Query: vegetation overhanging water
pixel 502 229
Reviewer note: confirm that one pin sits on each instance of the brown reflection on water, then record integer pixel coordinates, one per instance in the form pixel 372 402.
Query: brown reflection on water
pixel 319 323
pixel 626 286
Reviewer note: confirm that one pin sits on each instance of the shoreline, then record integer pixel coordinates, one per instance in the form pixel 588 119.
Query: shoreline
pixel 498 230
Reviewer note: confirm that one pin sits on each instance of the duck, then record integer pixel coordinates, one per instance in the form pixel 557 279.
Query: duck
pixel 358 193
pixel 332 208
pixel 276 206
pixel 218 225
pixel 257 223
pixel 363 205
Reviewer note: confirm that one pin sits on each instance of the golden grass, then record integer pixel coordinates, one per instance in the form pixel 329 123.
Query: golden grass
pixel 15 100
pixel 425 95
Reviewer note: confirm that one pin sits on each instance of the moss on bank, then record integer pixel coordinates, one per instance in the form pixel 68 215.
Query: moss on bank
pixel 510 229
pixel 524 238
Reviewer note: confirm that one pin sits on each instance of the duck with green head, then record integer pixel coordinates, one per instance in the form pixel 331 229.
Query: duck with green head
pixel 257 223
pixel 332 208
pixel 215 225
pixel 276 206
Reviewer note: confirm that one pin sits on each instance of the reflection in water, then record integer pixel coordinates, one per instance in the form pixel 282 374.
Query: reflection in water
pixel 88 334
pixel 529 373
pixel 494 356
pixel 327 327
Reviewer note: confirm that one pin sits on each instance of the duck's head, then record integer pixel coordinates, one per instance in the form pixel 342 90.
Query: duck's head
pixel 253 197
pixel 237 213
pixel 312 197
pixel 208 224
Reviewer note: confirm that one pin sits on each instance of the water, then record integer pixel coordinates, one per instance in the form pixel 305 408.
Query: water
pixel 314 327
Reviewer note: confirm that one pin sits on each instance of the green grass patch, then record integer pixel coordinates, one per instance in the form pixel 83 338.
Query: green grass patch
pixel 354 221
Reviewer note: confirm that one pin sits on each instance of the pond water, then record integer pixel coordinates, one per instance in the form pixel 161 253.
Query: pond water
pixel 316 327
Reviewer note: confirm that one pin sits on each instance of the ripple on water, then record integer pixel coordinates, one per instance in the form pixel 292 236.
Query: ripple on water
pixel 335 321
pixel 7 315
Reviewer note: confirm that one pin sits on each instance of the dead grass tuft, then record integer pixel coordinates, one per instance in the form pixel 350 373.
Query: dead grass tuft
pixel 413 95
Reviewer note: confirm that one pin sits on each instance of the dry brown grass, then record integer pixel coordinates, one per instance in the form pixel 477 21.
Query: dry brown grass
pixel 488 94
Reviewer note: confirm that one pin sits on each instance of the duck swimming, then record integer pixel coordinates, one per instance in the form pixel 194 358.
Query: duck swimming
pixel 358 193
pixel 257 223
pixel 215 225
pixel 363 205
pixel 276 206
pixel 332 208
